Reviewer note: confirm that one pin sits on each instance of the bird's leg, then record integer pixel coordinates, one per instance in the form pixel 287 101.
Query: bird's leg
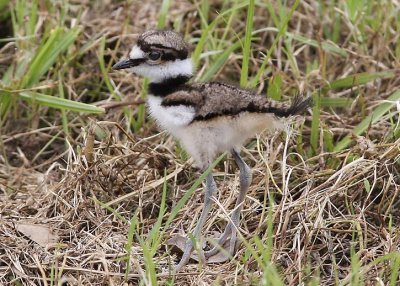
pixel 210 190
pixel 245 178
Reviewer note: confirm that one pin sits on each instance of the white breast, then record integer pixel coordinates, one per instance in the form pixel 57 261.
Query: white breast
pixel 172 118
pixel 204 140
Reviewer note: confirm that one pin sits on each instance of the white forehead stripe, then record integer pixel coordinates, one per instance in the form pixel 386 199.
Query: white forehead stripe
pixel 136 53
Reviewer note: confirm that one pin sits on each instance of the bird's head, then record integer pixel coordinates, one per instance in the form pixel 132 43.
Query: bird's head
pixel 159 55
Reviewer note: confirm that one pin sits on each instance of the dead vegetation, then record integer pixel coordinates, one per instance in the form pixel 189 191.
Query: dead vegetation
pixel 67 199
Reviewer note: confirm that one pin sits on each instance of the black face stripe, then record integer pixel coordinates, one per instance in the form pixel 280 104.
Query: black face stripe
pixel 177 54
pixel 179 102
pixel 168 57
pixel 168 86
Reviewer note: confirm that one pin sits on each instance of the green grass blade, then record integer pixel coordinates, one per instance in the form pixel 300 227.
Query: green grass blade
pixel 269 231
pixel 5 101
pixel 64 117
pixel 163 14
pixel 4 13
pixel 59 103
pixel 372 118
pixel 272 14
pixel 128 246
pixel 288 49
pixel 275 87
pixel 328 140
pixel 326 46
pixel 261 256
pixel 22 65
pixel 336 102
pixel 355 268
pixel 247 44
pixel 282 31
pixel 141 110
pixel 19 9
pixel 228 24
pixel 205 35
pixel 204 10
pixel 357 79
pixel 104 69
pixel 57 43
pixel 202 41
pixel 395 271
pixel 154 236
pixel 316 112
pixel 151 275
pixel 47 145
pixel 219 62
pixel 33 18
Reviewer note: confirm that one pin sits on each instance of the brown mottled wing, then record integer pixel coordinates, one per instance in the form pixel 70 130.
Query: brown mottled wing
pixel 211 99
pixel 222 99
pixel 185 96
pixel 217 99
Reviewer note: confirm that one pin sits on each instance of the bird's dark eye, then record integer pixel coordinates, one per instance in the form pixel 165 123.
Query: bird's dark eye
pixel 154 56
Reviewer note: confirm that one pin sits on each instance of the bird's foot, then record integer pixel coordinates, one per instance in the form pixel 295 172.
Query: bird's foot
pixel 186 246
pixel 224 248
pixel 221 253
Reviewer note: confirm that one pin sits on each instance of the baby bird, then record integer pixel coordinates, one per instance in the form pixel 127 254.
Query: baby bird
pixel 207 118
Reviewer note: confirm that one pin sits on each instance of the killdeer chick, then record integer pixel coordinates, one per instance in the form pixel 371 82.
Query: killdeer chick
pixel 207 118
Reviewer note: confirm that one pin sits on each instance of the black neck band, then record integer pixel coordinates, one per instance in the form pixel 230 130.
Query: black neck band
pixel 167 86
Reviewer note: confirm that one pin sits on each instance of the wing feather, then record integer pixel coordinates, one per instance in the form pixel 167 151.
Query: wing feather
pixel 218 99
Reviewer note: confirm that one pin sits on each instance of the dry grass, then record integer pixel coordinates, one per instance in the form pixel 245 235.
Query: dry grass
pixel 334 215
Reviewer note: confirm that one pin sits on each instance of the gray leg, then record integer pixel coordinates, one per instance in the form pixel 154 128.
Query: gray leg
pixel 245 178
pixel 210 190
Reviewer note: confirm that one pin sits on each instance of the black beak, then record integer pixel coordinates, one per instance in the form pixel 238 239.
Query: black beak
pixel 125 64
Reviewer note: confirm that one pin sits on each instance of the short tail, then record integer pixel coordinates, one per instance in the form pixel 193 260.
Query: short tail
pixel 298 105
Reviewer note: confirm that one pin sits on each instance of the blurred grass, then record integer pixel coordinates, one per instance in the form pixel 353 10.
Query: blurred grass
pixel 247 44
pixel 376 115
pixel 281 24
pixel 37 58
pixel 315 123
